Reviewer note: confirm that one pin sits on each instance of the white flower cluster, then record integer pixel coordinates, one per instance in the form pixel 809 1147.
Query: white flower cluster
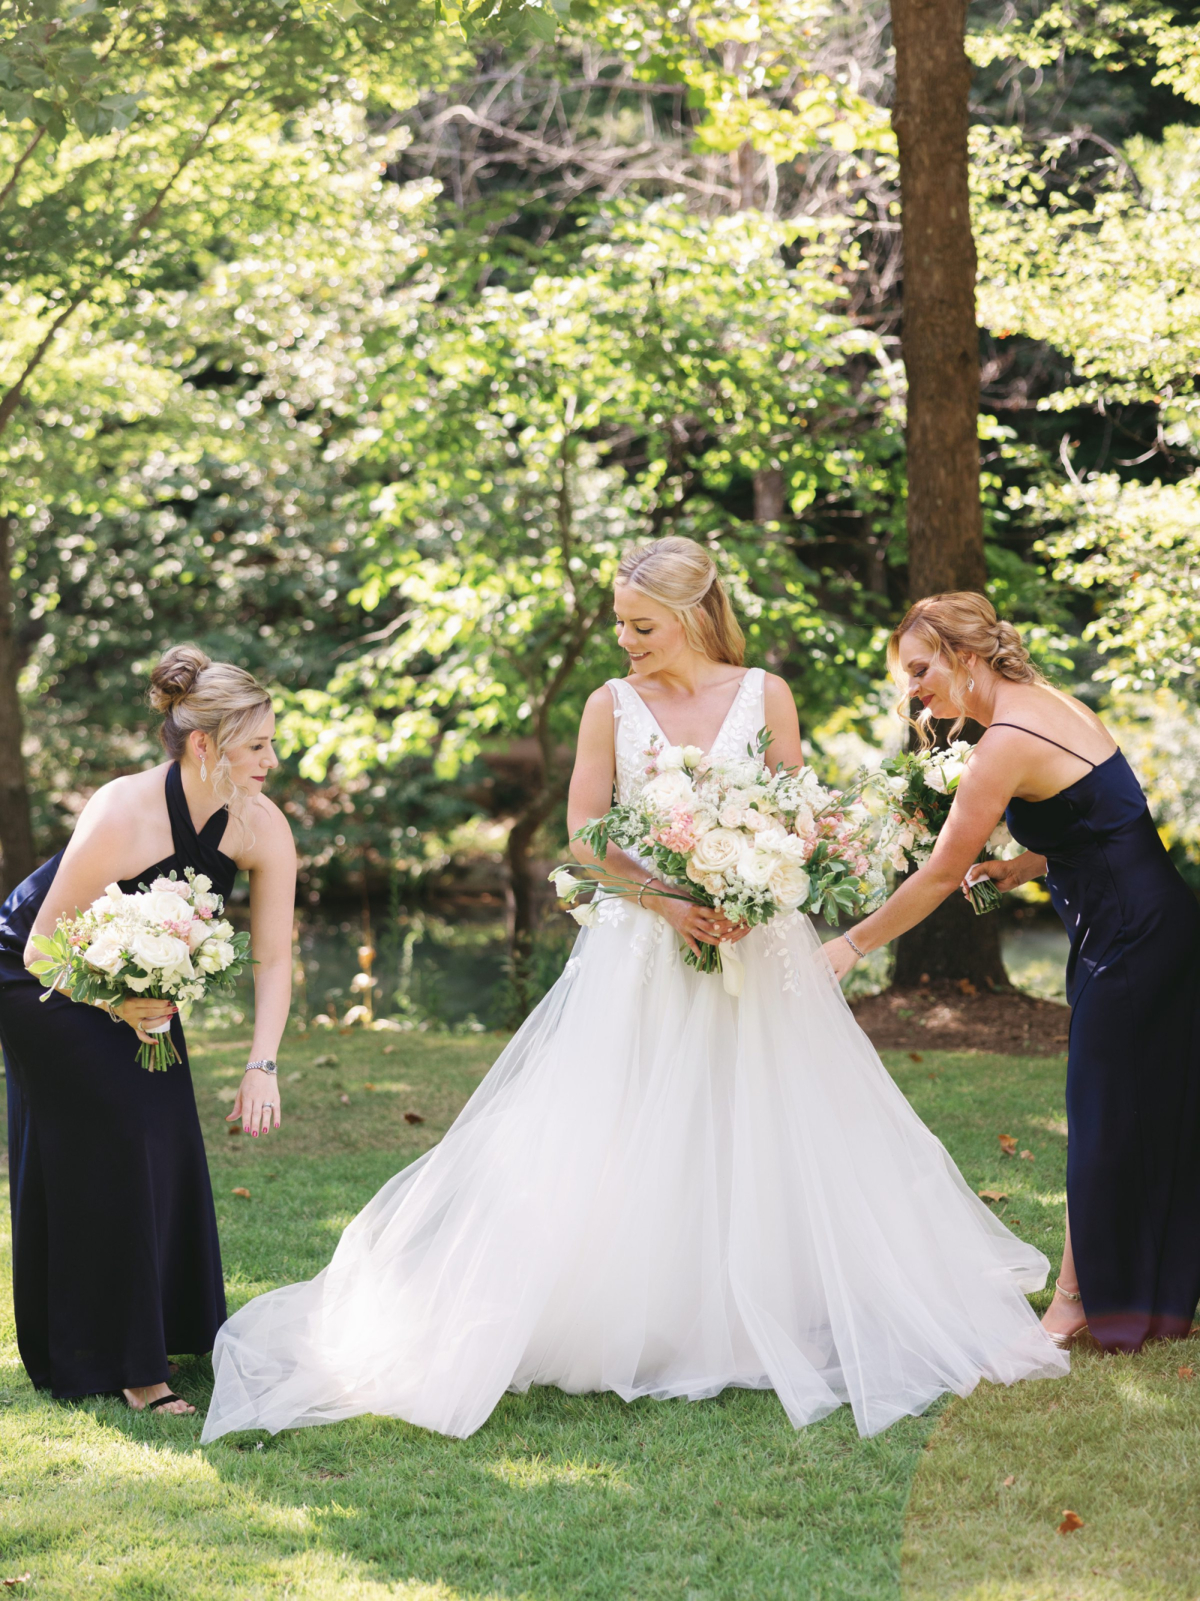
pixel 169 938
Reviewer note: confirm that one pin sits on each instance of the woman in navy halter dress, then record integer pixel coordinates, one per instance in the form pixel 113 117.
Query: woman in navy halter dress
pixel 1132 1260
pixel 115 1253
pixel 1133 1064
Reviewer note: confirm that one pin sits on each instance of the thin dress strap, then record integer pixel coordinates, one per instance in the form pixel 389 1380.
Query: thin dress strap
pixel 1034 733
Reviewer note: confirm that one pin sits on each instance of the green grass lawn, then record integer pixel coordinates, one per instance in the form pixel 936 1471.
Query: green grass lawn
pixel 557 1496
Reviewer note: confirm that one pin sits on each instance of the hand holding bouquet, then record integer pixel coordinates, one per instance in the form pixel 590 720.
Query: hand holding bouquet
pixel 168 942
pixel 732 836
pixel 920 788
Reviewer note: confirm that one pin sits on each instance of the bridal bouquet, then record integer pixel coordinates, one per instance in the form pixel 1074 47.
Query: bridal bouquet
pixel 920 788
pixel 730 835
pixel 168 942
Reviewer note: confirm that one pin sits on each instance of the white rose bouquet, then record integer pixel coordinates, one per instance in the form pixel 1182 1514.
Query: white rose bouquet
pixel 168 941
pixel 920 788
pixel 733 836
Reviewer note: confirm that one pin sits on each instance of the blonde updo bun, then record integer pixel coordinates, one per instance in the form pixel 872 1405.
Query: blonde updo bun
pixel 174 675
pixel 951 626
pixel 195 693
pixel 681 575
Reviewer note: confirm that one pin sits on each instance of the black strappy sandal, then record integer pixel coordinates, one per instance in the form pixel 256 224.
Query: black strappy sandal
pixel 165 1400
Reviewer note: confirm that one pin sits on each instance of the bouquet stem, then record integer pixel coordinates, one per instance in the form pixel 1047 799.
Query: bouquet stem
pixel 984 896
pixel 157 1055
pixel 708 961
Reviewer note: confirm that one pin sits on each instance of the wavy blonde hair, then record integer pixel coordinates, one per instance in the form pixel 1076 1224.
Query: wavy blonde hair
pixel 951 626
pixel 681 575
pixel 227 703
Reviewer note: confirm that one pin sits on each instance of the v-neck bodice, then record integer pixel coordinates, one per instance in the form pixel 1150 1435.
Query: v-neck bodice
pixel 637 728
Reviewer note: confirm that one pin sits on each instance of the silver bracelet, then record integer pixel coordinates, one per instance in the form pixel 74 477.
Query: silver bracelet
pixel 862 955
pixel 266 1064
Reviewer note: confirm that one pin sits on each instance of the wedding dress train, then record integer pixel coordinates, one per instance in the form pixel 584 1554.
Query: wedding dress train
pixel 658 1190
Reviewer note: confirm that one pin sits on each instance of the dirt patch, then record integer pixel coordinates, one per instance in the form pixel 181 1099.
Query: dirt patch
pixel 950 1017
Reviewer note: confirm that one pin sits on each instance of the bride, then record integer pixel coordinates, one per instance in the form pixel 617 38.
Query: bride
pixel 659 1189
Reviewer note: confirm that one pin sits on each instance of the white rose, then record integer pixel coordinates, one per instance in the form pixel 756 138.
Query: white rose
pixel 692 755
pixel 221 930
pixel 104 954
pixel 133 982
pixel 586 915
pixel 805 824
pixel 703 821
pixel 197 933
pixel 159 951
pixel 789 884
pixel 207 903
pixel 667 790
pixel 773 838
pixel 716 852
pixel 936 779
pixel 160 906
pixel 754 867
pixel 897 784
pixel 733 816
pixel 952 770
pixel 755 822
pixel 201 883
pixel 671 760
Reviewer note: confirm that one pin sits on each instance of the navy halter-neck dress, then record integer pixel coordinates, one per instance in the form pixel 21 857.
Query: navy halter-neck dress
pixel 1133 1065
pixel 115 1253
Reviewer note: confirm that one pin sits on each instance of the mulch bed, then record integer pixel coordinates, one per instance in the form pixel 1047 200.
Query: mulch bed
pixel 956 1017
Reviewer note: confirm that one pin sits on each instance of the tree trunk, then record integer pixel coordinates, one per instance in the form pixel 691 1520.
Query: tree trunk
pixel 523 904
pixel 939 336
pixel 940 346
pixel 16 830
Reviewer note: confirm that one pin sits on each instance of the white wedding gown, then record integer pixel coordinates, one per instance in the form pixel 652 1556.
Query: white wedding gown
pixel 658 1190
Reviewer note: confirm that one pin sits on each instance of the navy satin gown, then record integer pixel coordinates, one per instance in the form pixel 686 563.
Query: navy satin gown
pixel 115 1253
pixel 1133 1068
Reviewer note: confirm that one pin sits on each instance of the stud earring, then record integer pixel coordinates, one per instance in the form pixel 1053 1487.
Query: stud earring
pixel 203 771
pixel 970 685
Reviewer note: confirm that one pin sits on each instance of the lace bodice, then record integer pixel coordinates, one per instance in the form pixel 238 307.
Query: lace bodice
pixel 636 727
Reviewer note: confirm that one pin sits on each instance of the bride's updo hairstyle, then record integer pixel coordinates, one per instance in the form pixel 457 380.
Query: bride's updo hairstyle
pixel 680 575
pixel 223 701
pixel 951 626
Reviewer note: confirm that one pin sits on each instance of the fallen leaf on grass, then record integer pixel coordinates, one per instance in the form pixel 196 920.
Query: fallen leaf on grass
pixel 368 1086
pixel 413 1117
pixel 992 1195
pixel 18 1578
pixel 1187 1373
pixel 388 1049
pixel 1008 1144
pixel 1027 1156
pixel 325 1061
pixel 1010 1481
pixel 234 1128
pixel 967 987
pixel 915 1056
pixel 1071 1521
pixel 345 1100
pixel 245 1194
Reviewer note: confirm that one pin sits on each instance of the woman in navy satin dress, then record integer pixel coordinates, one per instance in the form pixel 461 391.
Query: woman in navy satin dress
pixel 1131 1270
pixel 115 1253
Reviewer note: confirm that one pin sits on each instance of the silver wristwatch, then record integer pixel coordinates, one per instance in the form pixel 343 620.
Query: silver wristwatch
pixel 265 1065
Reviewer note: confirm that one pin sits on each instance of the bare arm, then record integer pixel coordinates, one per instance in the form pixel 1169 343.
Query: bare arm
pixel 984 791
pixel 271 861
pixel 786 748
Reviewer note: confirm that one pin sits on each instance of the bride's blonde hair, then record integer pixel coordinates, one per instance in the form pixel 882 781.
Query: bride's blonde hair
pixel 951 626
pixel 227 703
pixel 681 575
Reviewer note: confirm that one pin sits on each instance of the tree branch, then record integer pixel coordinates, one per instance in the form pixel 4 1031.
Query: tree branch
pixel 20 162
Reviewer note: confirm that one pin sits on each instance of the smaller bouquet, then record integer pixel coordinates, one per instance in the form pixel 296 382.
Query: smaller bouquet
pixel 167 942
pixel 920 788
pixel 729 834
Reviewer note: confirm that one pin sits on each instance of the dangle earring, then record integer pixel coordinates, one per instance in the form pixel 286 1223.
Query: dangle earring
pixel 203 771
pixel 970 685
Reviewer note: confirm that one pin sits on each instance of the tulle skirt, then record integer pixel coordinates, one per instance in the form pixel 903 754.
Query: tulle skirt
pixel 659 1190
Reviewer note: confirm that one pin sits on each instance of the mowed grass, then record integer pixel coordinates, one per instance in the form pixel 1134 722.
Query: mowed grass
pixel 556 1496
